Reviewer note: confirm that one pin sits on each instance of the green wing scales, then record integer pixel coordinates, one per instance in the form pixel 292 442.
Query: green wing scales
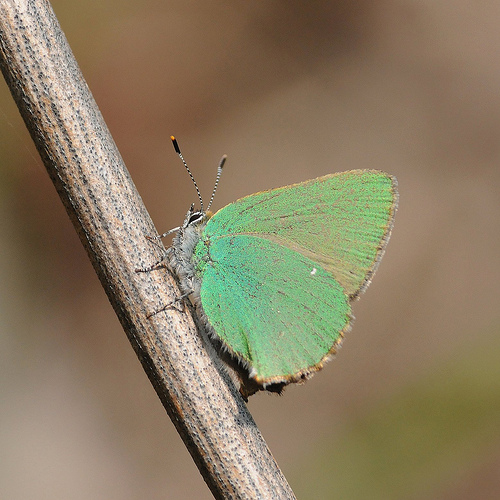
pixel 278 268
pixel 274 308
pixel 341 221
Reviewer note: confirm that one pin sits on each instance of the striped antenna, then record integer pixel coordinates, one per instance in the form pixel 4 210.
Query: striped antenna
pixel 178 151
pixel 217 179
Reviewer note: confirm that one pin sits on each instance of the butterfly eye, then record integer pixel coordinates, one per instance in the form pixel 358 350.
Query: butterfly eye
pixel 195 217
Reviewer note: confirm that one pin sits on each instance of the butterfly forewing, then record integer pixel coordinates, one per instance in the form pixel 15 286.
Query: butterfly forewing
pixel 341 221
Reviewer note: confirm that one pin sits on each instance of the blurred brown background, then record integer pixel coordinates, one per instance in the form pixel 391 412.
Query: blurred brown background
pixel 410 408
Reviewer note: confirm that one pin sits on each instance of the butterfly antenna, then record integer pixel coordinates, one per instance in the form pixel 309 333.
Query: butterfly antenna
pixel 178 151
pixel 217 179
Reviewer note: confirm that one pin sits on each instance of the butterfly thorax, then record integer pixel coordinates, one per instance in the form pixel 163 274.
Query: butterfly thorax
pixel 182 250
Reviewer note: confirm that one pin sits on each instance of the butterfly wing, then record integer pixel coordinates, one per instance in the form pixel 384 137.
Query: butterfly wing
pixel 276 309
pixel 340 221
pixel 278 268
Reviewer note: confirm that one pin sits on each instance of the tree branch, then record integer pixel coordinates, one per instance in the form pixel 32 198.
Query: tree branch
pixel 111 220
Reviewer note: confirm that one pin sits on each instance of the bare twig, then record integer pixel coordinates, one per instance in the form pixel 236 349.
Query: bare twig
pixel 106 210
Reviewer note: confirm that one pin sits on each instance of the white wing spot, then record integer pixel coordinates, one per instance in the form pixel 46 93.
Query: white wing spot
pixel 313 272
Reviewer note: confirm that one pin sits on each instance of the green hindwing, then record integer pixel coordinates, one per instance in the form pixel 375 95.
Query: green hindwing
pixel 277 310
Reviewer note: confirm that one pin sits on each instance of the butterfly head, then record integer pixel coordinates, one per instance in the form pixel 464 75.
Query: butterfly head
pixel 195 218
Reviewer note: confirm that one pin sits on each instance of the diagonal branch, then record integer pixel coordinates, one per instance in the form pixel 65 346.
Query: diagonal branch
pixel 111 220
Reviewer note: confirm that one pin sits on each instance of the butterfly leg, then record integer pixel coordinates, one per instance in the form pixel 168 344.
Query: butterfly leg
pixel 153 267
pixel 160 263
pixel 160 236
pixel 176 300
pixel 171 304
pixel 154 240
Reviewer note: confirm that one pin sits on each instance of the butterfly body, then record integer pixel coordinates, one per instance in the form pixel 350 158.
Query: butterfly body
pixel 273 274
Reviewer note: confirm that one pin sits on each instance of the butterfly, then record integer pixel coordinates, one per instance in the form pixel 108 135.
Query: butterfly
pixel 273 274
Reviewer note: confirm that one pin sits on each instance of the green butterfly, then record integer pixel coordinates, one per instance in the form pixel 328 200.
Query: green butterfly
pixel 273 274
